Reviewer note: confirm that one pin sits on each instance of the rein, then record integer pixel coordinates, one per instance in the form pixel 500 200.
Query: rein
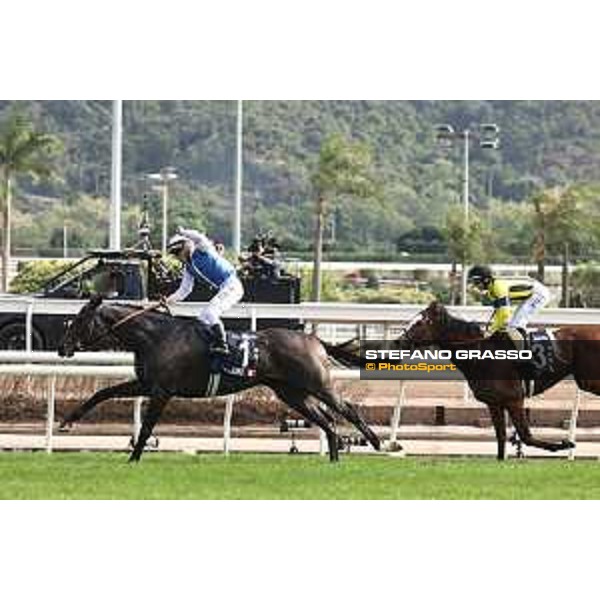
pixel 122 321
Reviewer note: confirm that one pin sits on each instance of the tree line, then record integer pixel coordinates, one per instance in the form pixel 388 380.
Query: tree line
pixel 533 194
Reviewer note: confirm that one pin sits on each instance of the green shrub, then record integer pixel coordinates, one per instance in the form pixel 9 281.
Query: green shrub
pixel 331 286
pixel 585 285
pixel 33 274
pixel 336 289
pixel 389 295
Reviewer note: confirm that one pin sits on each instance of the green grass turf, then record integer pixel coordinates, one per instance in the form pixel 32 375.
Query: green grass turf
pixel 252 476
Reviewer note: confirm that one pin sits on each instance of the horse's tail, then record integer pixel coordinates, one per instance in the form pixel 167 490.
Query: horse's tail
pixel 343 353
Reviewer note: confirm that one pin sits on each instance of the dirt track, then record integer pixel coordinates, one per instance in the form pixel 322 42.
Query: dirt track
pixel 24 400
pixel 197 425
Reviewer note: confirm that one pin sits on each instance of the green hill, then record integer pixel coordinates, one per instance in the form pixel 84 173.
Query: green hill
pixel 542 143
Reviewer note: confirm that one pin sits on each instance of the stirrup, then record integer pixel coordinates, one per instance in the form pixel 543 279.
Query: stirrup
pixel 220 349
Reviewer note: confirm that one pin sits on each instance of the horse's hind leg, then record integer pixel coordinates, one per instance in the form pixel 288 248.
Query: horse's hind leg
pixel 300 400
pixel 519 419
pixel 499 420
pixel 151 416
pixel 129 389
pixel 349 413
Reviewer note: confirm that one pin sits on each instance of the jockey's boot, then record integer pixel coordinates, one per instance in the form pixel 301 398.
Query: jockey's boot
pixel 518 337
pixel 525 368
pixel 219 341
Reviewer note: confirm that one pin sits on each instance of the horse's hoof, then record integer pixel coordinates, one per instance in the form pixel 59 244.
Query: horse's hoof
pixel 65 427
pixel 392 447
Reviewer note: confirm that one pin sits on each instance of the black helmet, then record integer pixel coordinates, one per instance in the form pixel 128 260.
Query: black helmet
pixel 479 274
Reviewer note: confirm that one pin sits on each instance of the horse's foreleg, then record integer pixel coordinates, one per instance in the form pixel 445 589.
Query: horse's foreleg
pixel 499 421
pixel 151 417
pixel 129 389
pixel 519 419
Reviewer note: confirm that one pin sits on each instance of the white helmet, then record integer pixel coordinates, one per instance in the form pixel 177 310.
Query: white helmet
pixel 176 243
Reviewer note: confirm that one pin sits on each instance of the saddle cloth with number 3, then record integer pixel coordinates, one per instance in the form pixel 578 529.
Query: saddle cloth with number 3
pixel 542 344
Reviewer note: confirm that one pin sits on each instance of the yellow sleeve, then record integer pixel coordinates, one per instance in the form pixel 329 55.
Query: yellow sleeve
pixel 499 295
pixel 498 289
pixel 500 319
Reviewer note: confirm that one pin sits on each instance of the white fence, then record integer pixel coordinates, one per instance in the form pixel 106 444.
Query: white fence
pixel 120 365
pixel 107 365
pixel 332 312
pixel 384 315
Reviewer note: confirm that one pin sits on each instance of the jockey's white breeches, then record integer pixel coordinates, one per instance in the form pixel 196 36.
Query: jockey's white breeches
pixel 229 294
pixel 539 298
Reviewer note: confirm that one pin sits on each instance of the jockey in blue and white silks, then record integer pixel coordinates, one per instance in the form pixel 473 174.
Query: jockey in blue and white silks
pixel 202 262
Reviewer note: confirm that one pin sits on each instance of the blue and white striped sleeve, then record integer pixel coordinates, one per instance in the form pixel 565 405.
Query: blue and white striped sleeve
pixel 185 288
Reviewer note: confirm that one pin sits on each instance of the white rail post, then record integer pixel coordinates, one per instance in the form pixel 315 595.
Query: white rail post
pixel 229 400
pixel 395 423
pixel 29 326
pixel 573 422
pixel 227 423
pixel 386 332
pixel 137 418
pixel 50 412
pixel 466 391
pixel 29 338
pixel 322 443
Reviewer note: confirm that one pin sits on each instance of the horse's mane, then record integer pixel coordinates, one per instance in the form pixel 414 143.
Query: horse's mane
pixel 139 307
pixel 456 325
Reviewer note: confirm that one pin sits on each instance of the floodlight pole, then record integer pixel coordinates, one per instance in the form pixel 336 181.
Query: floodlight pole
pixel 466 138
pixel 116 174
pixel 237 213
pixel 165 211
pixel 488 138
pixel 164 178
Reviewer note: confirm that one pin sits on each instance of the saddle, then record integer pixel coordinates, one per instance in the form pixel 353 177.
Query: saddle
pixel 545 350
pixel 545 355
pixel 242 359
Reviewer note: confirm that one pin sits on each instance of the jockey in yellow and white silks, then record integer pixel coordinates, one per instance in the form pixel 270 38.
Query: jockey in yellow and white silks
pixel 528 294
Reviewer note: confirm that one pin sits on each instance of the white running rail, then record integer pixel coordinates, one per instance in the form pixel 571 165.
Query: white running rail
pixel 108 365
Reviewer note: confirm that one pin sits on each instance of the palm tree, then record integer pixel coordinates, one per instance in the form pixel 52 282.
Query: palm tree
pixel 345 168
pixel 23 151
pixel 561 219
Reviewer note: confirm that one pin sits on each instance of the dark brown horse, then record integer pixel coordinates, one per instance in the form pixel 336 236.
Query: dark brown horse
pixel 498 384
pixel 172 359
